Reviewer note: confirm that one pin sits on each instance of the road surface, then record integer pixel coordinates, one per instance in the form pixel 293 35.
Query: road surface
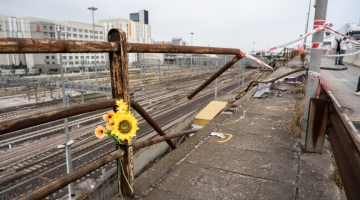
pixel 343 85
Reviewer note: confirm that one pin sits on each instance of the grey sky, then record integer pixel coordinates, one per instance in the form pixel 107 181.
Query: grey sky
pixel 219 23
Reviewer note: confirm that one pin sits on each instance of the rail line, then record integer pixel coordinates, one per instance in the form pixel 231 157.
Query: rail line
pixel 174 113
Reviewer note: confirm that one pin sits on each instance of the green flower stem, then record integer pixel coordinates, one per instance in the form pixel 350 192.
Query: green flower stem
pixel 119 177
pixel 122 169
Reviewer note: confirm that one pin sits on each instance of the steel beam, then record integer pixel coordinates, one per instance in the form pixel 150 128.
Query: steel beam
pixel 214 76
pixel 152 123
pixel 317 122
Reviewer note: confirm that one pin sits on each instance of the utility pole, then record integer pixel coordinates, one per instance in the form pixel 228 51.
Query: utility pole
pixel 315 60
pixel 67 147
pixel 93 10
pixel 307 22
pixel 191 45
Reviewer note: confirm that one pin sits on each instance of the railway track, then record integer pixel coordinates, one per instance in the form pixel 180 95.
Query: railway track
pixel 42 165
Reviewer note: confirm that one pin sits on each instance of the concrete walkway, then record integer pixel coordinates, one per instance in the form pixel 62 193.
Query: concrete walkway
pixel 260 158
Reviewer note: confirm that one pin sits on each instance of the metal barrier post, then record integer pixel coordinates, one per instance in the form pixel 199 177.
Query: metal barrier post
pixel 315 133
pixel 120 89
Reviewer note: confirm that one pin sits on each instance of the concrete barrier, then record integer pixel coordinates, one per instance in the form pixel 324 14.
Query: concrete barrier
pixel 357 60
pixel 353 60
pixel 350 59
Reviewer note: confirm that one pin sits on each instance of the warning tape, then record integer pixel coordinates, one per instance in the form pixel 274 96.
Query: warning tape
pixel 350 38
pixel 346 54
pixel 246 54
pixel 292 41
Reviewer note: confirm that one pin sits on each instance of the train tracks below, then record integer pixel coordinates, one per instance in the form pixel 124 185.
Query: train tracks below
pixel 26 167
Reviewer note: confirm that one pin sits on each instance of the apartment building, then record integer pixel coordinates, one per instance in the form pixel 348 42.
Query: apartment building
pixel 14 28
pixel 137 31
pixel 69 30
pixel 136 28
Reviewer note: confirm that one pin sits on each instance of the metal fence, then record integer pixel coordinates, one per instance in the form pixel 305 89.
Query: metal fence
pixel 117 47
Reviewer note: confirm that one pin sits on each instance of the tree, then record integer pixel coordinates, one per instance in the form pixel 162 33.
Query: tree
pixel 26 71
pixel 21 65
pixel 12 71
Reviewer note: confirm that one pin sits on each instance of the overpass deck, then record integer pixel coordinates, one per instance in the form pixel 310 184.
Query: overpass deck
pixel 259 158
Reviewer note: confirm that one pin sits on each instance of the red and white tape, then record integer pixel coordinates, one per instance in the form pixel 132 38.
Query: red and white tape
pixel 246 54
pixel 346 54
pixel 292 41
pixel 318 23
pixel 350 38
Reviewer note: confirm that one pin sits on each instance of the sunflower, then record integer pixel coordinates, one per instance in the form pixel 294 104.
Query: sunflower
pixel 100 132
pixel 109 116
pixel 122 106
pixel 125 126
pixel 110 125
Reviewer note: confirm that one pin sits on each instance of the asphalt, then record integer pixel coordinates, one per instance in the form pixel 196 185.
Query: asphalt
pixel 343 85
pixel 260 157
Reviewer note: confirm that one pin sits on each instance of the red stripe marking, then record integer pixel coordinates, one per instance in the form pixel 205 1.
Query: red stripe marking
pixel 315 45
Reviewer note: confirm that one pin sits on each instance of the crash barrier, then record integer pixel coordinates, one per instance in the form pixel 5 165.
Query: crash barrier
pixel 325 117
pixel 117 47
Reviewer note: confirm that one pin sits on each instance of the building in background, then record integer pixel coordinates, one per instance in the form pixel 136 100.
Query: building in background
pixel 136 28
pixel 174 41
pixel 69 30
pixel 12 27
pixel 142 17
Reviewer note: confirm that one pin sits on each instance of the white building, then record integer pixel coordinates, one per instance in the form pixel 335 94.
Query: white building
pixel 69 30
pixel 137 30
pixel 14 28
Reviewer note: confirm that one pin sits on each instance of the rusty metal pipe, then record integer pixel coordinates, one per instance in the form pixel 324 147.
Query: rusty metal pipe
pixel 30 45
pixel 159 139
pixel 351 187
pixel 61 182
pixel 158 48
pixel 33 120
pixel 214 76
pixel 152 122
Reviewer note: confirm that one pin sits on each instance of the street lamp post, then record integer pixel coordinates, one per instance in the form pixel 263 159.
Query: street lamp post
pixel 307 22
pixel 191 45
pixel 253 46
pixel 93 10
pixel 67 140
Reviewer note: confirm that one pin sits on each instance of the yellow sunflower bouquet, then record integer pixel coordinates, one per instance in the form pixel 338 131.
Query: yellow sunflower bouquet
pixel 120 125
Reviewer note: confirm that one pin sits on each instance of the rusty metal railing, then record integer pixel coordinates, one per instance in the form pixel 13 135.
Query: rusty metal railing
pixel 117 47
pixel 325 118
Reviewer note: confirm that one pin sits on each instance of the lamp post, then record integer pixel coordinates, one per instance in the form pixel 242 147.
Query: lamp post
pixel 68 141
pixel 191 45
pixel 307 23
pixel 93 10
pixel 253 46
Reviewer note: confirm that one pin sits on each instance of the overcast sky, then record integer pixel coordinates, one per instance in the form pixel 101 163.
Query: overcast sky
pixel 217 23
